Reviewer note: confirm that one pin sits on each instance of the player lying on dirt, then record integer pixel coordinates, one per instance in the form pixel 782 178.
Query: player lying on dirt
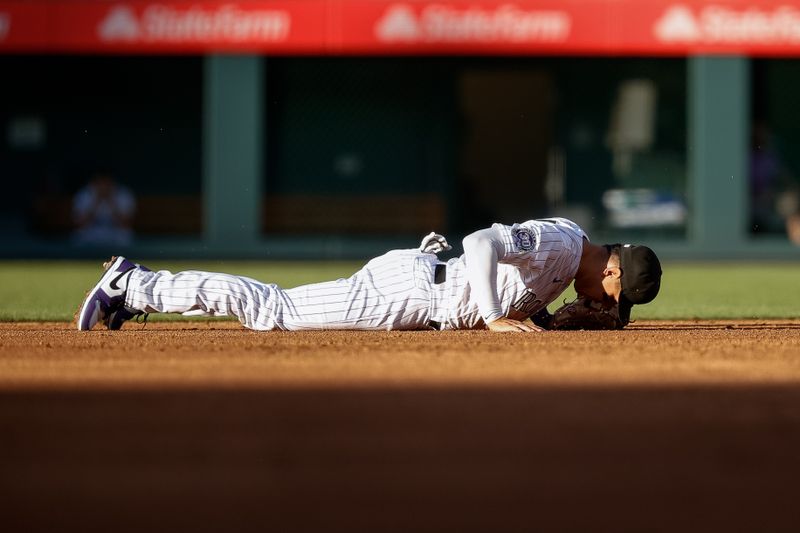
pixel 504 281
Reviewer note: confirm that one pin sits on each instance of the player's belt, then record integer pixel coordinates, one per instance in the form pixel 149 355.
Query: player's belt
pixel 439 277
pixel 440 274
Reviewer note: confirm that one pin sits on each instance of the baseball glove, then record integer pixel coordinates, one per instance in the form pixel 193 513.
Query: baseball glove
pixel 583 313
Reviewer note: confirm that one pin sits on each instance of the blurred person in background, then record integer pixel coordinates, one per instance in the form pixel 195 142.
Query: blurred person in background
pixel 775 198
pixel 103 212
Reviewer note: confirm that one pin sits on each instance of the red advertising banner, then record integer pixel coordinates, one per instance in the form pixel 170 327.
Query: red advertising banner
pixel 545 27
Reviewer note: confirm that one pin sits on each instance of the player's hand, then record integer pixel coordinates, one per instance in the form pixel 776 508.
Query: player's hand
pixel 433 243
pixel 509 324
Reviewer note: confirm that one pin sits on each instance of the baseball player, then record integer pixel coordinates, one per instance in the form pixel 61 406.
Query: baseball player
pixel 506 276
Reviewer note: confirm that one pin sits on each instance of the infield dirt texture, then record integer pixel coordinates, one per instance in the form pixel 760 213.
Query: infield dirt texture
pixel 205 426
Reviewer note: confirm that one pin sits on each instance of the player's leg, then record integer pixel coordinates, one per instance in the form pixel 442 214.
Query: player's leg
pixel 127 289
pixel 197 293
pixel 389 292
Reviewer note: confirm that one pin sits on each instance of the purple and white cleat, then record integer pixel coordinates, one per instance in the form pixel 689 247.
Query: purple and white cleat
pixel 121 315
pixel 106 301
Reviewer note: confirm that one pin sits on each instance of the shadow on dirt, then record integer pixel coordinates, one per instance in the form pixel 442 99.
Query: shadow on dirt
pixel 669 458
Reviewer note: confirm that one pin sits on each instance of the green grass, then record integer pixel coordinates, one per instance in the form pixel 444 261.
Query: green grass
pixel 728 291
pixel 725 290
pixel 53 290
pixel 40 290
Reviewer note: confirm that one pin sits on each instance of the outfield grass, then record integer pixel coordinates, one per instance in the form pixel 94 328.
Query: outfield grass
pixel 39 290
pixel 53 290
pixel 726 290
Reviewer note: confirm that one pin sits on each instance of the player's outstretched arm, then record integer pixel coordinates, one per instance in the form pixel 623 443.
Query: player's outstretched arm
pixel 481 252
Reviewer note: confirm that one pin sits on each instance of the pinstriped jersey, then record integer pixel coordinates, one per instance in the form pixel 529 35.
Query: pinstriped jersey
pixel 539 261
pixel 397 290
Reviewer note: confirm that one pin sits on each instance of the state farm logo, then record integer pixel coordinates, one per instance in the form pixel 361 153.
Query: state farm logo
pixel 398 24
pixel 722 24
pixel 5 25
pixel 678 24
pixel 121 24
pixel 441 23
pixel 165 23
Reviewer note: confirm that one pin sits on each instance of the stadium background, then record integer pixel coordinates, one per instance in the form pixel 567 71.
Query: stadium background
pixel 327 129
pixel 336 138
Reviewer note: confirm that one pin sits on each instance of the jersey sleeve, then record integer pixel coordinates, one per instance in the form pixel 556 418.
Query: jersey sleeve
pixel 530 243
pixel 481 252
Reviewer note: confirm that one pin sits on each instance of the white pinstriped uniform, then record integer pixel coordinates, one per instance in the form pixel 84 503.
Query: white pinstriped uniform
pixel 531 273
pixel 393 291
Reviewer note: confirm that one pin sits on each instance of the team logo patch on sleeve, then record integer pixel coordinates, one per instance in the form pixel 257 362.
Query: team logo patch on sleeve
pixel 524 239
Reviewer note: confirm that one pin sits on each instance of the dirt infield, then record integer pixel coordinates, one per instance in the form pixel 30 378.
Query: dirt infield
pixel 205 426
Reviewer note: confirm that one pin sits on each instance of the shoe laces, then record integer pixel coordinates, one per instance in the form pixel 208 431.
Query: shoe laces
pixel 141 318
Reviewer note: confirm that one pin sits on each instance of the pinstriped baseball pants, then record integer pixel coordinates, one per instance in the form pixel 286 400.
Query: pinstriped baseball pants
pixel 393 291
